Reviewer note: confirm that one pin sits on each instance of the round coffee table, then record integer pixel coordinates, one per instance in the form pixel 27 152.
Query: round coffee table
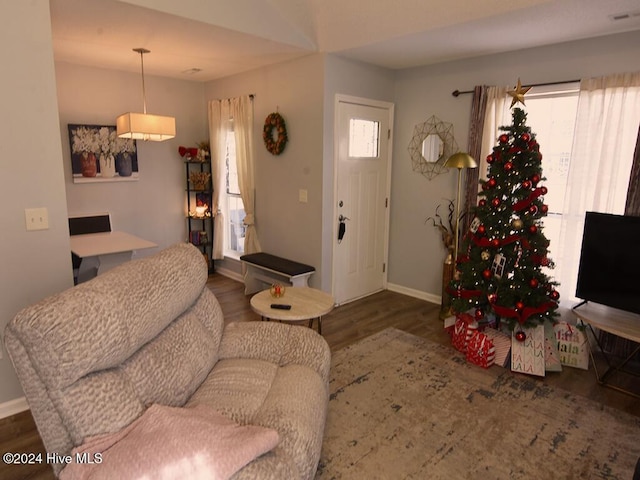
pixel 306 303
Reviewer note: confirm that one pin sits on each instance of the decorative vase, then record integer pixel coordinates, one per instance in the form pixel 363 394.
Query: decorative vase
pixel 107 165
pixel 88 164
pixel 125 164
pixel 447 275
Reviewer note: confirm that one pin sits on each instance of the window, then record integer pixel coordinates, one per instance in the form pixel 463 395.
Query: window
pixel 233 208
pixel 551 115
pixel 363 138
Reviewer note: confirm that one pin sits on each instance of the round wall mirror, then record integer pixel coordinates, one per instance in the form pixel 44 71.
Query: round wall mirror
pixel 432 148
pixel 432 144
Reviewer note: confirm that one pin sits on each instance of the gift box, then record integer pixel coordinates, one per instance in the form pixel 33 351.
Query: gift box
pixel 463 330
pixel 480 350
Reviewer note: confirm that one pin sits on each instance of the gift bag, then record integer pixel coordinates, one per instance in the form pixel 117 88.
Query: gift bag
pixel 502 343
pixel 528 355
pixel 480 350
pixel 572 345
pixel 463 329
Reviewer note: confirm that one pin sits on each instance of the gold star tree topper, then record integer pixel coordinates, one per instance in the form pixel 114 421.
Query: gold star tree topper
pixel 518 93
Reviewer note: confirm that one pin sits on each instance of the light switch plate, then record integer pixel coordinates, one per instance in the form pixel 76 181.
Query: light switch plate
pixel 302 195
pixel 37 218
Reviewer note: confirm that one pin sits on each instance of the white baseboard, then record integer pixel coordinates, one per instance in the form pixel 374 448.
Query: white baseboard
pixel 429 297
pixel 230 274
pixel 12 407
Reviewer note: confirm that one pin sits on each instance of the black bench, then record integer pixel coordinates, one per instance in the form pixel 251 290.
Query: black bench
pixel 264 269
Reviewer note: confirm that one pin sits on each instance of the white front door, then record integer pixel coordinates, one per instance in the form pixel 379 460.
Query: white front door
pixel 363 136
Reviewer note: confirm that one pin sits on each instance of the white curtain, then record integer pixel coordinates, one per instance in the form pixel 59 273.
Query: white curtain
pixel 218 128
pixel 496 116
pixel 242 113
pixel 601 158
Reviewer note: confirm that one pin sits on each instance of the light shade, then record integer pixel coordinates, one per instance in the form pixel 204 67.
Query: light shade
pixel 144 126
pixel 460 160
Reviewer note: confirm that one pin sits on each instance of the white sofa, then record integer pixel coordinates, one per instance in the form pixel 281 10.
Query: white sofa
pixel 94 358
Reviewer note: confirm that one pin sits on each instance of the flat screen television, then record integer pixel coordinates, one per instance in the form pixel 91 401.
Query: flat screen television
pixel 609 271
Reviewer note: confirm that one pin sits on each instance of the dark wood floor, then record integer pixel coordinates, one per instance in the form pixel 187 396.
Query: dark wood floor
pixel 345 325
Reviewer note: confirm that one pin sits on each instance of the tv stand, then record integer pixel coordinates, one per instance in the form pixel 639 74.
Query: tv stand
pixel 616 322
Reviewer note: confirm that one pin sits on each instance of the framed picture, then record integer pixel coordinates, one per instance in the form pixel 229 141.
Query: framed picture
pixel 98 155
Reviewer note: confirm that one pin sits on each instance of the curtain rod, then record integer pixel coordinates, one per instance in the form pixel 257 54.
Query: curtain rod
pixel 457 93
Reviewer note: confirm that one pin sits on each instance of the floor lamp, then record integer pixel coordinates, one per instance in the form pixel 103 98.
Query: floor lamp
pixel 459 161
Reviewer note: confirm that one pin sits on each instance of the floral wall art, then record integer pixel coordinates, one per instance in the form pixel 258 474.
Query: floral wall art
pixel 98 155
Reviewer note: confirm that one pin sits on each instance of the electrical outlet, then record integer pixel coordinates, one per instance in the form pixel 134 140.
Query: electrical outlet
pixel 37 218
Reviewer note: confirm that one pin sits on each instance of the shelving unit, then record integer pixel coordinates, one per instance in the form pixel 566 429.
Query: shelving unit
pixel 200 223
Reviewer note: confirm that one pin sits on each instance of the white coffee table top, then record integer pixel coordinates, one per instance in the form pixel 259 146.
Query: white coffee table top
pixel 306 303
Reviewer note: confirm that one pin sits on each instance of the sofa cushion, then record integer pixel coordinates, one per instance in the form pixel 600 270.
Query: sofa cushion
pixel 289 396
pixel 99 324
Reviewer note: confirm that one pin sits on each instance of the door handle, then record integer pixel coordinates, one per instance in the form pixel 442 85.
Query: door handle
pixel 342 227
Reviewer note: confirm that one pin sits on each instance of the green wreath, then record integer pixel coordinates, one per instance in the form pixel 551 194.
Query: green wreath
pixel 274 121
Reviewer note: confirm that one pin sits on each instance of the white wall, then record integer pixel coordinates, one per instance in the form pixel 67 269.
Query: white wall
pixel 416 252
pixel 154 207
pixel 303 91
pixel 285 226
pixel 36 263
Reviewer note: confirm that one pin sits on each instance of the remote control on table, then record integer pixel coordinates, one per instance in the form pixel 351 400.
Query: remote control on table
pixel 280 306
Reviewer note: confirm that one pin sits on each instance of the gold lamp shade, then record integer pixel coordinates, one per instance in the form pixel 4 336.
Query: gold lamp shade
pixel 460 160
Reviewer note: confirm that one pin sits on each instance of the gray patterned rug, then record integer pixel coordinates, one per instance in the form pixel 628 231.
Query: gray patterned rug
pixel 402 407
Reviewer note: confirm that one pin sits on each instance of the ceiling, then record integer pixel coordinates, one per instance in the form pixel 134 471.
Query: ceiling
pixel 202 40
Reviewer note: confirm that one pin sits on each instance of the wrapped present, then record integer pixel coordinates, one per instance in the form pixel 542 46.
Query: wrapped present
pixel 573 348
pixel 463 330
pixel 480 350
pixel 502 343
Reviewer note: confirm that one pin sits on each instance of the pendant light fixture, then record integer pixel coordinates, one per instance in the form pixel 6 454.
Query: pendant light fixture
pixel 144 126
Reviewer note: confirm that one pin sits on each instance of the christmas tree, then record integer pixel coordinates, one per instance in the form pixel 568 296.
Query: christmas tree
pixel 501 259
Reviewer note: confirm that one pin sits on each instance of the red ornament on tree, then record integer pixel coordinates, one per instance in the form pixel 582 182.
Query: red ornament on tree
pixel 490 159
pixel 486 274
pixel 554 295
pixel 519 305
pixel 508 166
pixel 482 229
pixel 533 209
pixel 495 243
pixel 482 202
pixel 533 229
pixel 533 283
pixel 535 179
pixel 495 202
pixel 544 190
pixel 526 184
pixel 491 182
pixel 525 137
pixel 521 336
pixel 479 314
pixel 504 138
pixel 544 208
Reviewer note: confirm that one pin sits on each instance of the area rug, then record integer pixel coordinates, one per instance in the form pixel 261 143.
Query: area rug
pixel 402 407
